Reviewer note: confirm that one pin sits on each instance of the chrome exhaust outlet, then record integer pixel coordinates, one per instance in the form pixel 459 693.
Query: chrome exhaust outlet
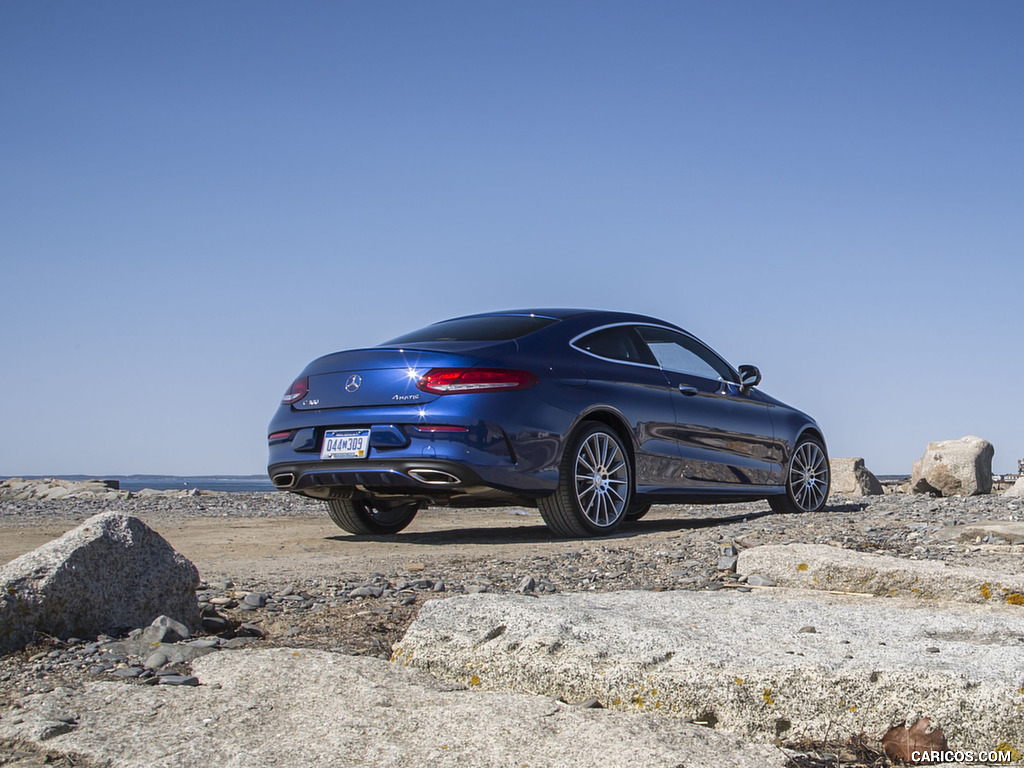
pixel 433 477
pixel 284 480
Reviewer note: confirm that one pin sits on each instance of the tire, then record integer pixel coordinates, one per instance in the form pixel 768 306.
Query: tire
pixel 595 485
pixel 808 479
pixel 636 511
pixel 371 518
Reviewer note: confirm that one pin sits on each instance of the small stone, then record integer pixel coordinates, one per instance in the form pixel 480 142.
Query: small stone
pixel 164 629
pixel 438 586
pixel 727 563
pixel 526 585
pixel 205 642
pixel 931 649
pixel 238 642
pixel 155 660
pixel 808 630
pixel 128 673
pixel 756 580
pixel 367 591
pixel 179 680
pixel 215 624
pixel 475 589
pixel 256 599
pixel 415 567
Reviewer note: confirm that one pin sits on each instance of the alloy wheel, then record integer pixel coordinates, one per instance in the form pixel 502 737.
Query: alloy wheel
pixel 601 479
pixel 808 476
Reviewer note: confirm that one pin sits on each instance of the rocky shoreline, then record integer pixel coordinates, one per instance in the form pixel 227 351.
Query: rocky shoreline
pixel 366 613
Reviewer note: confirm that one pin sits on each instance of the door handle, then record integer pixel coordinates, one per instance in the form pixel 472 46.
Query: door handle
pixel 688 391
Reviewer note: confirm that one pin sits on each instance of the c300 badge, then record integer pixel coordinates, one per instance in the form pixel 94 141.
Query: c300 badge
pixel 353 383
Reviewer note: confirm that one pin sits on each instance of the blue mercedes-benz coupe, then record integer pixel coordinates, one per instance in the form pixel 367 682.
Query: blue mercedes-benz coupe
pixel 590 416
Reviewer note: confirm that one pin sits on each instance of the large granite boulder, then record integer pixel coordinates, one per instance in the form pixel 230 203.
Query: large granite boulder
pixel 851 478
pixel 1017 489
pixel 288 707
pixel 771 664
pixel 954 468
pixel 112 572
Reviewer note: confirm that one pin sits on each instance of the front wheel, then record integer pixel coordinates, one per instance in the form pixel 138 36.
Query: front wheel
pixel 371 517
pixel 808 480
pixel 636 511
pixel 595 482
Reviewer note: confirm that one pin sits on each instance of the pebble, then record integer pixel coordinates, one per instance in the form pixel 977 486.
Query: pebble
pixel 179 680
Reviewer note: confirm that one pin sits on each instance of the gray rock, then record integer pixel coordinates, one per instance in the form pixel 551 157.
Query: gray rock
pixel 381 714
pixel 155 660
pixel 851 478
pixel 215 624
pixel 739 660
pixel 727 563
pixel 954 468
pixel 128 673
pixel 255 599
pixel 1017 489
pixel 366 592
pixel 527 584
pixel 188 680
pixel 164 629
pixel 757 580
pixel 112 571
pixel 818 566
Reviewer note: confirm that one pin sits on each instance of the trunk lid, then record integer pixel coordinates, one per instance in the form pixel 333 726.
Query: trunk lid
pixel 363 378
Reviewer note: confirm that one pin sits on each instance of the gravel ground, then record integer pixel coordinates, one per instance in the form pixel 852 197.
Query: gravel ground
pixel 362 611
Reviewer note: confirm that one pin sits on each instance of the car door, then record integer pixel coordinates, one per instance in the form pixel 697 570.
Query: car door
pixel 724 436
pixel 622 374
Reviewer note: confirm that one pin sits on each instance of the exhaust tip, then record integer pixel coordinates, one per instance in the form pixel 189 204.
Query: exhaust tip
pixel 433 477
pixel 284 480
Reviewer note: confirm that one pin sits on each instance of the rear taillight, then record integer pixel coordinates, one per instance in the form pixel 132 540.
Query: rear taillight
pixel 446 381
pixel 296 391
pixel 279 435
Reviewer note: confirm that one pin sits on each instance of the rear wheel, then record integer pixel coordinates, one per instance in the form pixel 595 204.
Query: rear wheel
pixel 595 482
pixel 808 480
pixel 371 517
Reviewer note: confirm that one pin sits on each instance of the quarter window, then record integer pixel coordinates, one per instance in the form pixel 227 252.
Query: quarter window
pixel 678 352
pixel 617 343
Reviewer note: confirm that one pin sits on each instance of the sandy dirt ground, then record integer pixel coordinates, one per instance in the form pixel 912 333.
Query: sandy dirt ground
pixel 295 548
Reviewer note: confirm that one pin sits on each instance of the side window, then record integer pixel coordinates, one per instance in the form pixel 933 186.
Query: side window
pixel 678 352
pixel 618 343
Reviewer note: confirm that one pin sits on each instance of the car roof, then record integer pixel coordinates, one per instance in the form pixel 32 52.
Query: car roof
pixel 563 313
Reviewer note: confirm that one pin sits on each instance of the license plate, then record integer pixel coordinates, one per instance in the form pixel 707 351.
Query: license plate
pixel 345 444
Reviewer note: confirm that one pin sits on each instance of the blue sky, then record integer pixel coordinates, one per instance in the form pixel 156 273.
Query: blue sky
pixel 198 198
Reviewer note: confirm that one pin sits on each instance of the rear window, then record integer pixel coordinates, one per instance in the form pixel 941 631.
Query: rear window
pixel 492 328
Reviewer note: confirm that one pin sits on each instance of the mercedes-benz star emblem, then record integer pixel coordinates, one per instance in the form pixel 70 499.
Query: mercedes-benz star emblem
pixel 354 382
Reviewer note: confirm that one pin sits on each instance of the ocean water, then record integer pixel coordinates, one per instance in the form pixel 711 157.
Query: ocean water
pixel 229 483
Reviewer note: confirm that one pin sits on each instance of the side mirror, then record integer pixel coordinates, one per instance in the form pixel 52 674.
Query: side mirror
pixel 750 377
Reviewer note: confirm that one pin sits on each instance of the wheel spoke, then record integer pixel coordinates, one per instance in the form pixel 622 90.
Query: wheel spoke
pixel 590 468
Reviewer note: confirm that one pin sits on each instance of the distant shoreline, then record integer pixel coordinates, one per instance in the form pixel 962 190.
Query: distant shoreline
pixel 224 483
